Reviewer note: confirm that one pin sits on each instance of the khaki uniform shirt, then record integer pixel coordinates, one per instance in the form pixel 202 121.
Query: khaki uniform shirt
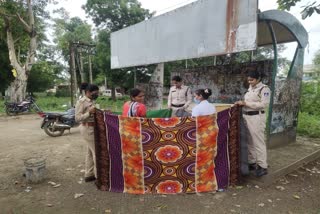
pixel 257 97
pixel 180 96
pixel 82 110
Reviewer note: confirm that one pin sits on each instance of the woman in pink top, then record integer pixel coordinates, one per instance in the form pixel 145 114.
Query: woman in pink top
pixel 135 107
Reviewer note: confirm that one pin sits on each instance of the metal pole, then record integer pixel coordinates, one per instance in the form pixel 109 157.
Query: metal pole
pixel 135 78
pixel 81 67
pixel 71 75
pixel 293 62
pixel 73 67
pixel 274 74
pixel 90 69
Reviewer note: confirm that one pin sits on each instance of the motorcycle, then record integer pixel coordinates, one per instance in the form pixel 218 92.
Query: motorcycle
pixel 26 105
pixel 54 124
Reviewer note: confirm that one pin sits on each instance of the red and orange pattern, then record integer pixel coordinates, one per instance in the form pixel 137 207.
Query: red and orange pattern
pixel 132 155
pixel 207 131
pixel 169 161
pixel 167 122
pixel 168 154
pixel 169 187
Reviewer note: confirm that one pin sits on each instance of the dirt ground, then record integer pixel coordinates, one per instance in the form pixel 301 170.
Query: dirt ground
pixel 21 137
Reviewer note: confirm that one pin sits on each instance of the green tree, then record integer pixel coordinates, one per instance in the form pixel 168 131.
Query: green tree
pixel 307 11
pixel 41 77
pixel 113 15
pixel 316 62
pixel 311 91
pixel 115 78
pixel 71 31
pixel 22 23
pixel 6 76
pixel 46 72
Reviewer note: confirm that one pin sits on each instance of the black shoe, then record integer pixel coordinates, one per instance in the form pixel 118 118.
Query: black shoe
pixel 252 166
pixel 261 171
pixel 89 179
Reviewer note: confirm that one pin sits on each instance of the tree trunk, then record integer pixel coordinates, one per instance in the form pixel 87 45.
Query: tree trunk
pixel 113 93
pixel 18 87
pixel 154 91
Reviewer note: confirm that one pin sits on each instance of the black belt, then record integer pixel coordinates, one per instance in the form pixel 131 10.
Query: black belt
pixel 253 112
pixel 177 106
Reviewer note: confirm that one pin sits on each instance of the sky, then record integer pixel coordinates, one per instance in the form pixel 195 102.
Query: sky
pixel 311 24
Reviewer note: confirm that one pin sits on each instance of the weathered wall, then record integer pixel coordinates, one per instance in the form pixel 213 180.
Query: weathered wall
pixel 286 101
pixel 227 82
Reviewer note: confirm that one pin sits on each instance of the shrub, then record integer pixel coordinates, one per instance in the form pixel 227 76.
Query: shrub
pixel 308 125
pixel 64 92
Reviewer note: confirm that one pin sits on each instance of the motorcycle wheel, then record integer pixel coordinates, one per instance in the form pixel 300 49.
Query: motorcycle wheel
pixel 49 130
pixel 10 111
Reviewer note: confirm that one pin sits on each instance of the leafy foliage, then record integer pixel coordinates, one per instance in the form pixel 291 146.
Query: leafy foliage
pixel 309 117
pixel 307 11
pixel 68 30
pixel 5 69
pixel 109 16
pixel 114 15
pixel 308 125
pixel 43 76
pixel 310 98
pixel 13 7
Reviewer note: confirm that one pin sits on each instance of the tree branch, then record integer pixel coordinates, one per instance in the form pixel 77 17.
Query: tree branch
pixel 3 14
pixel 25 24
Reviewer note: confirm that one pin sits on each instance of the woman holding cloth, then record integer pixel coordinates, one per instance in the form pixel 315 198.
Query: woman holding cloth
pixel 255 103
pixel 203 107
pixel 85 109
pixel 135 107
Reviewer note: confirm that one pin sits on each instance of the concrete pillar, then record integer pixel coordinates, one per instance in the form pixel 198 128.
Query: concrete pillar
pixel 154 90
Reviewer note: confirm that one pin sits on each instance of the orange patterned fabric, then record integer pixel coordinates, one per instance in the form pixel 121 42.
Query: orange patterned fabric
pixel 169 146
pixel 166 155
pixel 207 131
pixel 132 154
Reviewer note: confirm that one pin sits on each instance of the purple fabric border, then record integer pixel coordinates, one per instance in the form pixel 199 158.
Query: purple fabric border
pixel 115 153
pixel 222 159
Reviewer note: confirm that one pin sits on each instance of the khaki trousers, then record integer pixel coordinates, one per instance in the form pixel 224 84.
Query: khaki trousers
pixel 174 111
pixel 257 149
pixel 87 133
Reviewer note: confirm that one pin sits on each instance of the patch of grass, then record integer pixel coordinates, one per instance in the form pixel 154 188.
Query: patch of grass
pixel 60 104
pixel 2 107
pixel 53 103
pixel 108 104
pixel 308 125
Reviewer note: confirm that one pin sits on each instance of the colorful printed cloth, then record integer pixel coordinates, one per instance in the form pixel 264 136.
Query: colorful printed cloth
pixel 163 155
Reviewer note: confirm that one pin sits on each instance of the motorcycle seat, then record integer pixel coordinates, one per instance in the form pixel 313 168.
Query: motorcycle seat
pixel 54 114
pixel 68 116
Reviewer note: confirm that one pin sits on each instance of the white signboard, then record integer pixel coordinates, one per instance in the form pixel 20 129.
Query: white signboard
pixel 203 28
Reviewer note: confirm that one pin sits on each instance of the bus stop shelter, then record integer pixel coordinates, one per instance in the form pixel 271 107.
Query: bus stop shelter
pixel 214 28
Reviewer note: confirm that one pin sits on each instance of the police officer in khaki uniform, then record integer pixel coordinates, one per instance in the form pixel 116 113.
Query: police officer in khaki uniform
pixel 180 96
pixel 84 114
pixel 255 103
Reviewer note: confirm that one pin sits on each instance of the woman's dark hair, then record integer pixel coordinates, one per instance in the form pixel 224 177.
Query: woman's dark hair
pixel 134 92
pixel 205 93
pixel 176 78
pixel 255 74
pixel 92 87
